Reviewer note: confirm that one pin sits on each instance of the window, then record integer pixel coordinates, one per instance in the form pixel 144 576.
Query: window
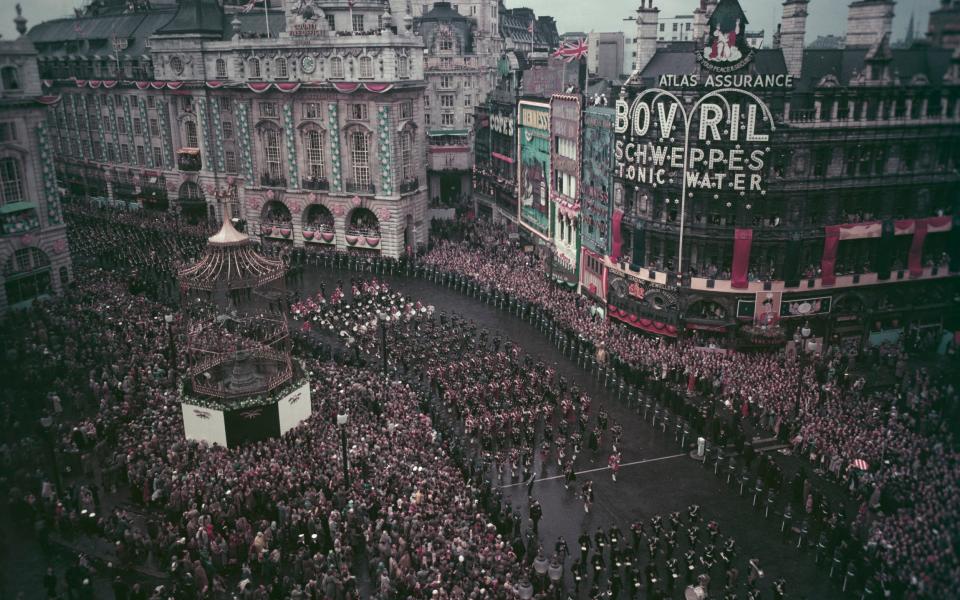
pixel 314 143
pixel 358 23
pixel 406 109
pixel 227 127
pixel 426 119
pixel 336 67
pixel 141 156
pixel 674 26
pixel 111 153
pixel 663 26
pixel 125 153
pixel 331 23
pixel 137 126
pixel 406 155
pixel 271 144
pixel 358 112
pixel 821 160
pixel 446 62
pixel 446 44
pixel 28 275
pixel 446 119
pixel 566 147
pixel 193 141
pixel 121 125
pixel 467 82
pixel 186 103
pixel 446 101
pixel 403 67
pixel 11 181
pixel 150 102
pixel 366 67
pixel 231 160
pixel 426 101
pixel 8 132
pixel 154 127
pixel 446 82
pixel 467 100
pixel 360 157
pixel 268 109
pixel 157 157
pixel 221 68
pixel 311 110
pixel 11 79
pixel 566 184
pixel 254 68
pixel 281 65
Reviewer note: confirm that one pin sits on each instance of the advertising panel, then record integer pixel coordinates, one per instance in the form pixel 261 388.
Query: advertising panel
pixel 203 424
pixel 597 185
pixel 534 211
pixel 294 408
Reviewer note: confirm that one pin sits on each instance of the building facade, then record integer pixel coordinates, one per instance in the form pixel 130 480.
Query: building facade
pixel 820 202
pixel 34 252
pixel 316 110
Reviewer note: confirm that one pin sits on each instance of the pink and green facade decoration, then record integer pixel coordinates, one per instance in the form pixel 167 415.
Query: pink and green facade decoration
pixel 49 176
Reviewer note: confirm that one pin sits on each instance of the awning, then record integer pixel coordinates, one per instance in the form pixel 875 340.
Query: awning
pixel 13 207
pixel 445 132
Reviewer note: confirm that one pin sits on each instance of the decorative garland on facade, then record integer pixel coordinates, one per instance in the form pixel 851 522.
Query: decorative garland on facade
pixel 164 115
pixel 114 133
pixel 130 137
pixel 242 110
pixel 334 127
pixel 76 122
pixel 217 126
pixel 147 142
pixel 98 108
pixel 385 142
pixel 293 169
pixel 49 175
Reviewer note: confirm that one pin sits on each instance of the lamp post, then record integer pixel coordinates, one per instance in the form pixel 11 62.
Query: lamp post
pixel 168 319
pixel 382 320
pixel 342 419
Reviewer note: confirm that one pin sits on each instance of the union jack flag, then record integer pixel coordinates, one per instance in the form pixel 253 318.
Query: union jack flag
pixel 571 50
pixel 248 7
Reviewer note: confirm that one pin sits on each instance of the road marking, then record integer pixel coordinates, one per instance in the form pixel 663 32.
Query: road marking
pixel 578 473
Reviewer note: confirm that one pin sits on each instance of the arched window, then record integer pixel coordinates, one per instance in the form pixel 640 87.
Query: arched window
pixel 313 140
pixel 336 68
pixel 221 69
pixel 11 78
pixel 406 155
pixel 366 67
pixel 11 181
pixel 193 140
pixel 360 157
pixel 189 190
pixel 254 68
pixel 281 66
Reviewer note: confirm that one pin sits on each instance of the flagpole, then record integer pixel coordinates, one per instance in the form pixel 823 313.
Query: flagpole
pixel 266 15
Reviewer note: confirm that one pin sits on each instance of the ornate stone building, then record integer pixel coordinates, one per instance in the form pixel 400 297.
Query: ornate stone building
pixel 315 107
pixel 34 254
pixel 851 231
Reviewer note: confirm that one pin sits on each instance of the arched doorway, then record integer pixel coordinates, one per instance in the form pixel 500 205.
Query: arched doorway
pixel 318 224
pixel 27 276
pixel 193 205
pixel 363 230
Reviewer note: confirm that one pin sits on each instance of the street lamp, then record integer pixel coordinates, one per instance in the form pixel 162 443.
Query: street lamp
pixel 383 319
pixel 342 419
pixel 168 319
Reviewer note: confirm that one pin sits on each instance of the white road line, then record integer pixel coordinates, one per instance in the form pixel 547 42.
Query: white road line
pixel 578 473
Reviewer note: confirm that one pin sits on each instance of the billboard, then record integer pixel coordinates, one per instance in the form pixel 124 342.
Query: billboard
pixel 534 209
pixel 565 155
pixel 294 408
pixel 597 185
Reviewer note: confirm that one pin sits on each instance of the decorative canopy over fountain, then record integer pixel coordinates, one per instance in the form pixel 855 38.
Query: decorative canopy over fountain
pixel 238 341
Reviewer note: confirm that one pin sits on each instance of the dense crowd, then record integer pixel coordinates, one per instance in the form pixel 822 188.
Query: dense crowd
pixel 902 434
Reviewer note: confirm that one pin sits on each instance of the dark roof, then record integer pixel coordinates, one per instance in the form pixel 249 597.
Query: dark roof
pixel 196 16
pixel 442 11
pixel 679 58
pixel 844 63
pixel 97 31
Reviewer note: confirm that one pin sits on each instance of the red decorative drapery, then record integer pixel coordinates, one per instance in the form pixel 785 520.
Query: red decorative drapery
pixel 915 260
pixel 617 238
pixel 829 260
pixel 648 325
pixel 742 240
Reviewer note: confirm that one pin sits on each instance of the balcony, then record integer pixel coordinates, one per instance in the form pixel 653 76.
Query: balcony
pixel 274 181
pixel 410 185
pixel 18 217
pixel 354 187
pixel 315 183
pixel 188 159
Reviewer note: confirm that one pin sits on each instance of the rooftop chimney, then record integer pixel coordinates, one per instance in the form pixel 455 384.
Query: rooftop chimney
pixel 868 21
pixel 648 17
pixel 791 34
